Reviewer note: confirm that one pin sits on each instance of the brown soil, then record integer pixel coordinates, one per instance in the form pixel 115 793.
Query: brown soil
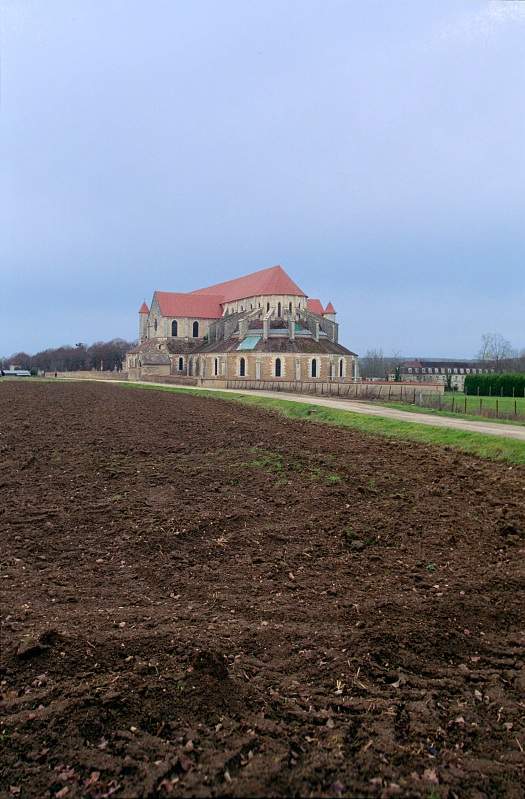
pixel 203 599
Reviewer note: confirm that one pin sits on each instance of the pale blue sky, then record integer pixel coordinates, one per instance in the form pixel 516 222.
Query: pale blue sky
pixel 374 149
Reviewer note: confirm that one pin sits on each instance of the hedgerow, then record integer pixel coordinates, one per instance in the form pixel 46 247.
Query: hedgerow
pixel 496 385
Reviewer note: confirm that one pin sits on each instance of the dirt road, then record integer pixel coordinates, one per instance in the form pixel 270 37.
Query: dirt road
pixel 204 599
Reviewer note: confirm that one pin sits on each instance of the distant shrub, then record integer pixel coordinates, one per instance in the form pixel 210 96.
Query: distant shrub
pixel 496 385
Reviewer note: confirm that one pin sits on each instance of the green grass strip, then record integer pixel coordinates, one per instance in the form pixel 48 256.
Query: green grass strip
pixel 469 417
pixel 485 446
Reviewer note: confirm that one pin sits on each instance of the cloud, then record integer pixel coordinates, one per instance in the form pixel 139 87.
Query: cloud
pixel 483 23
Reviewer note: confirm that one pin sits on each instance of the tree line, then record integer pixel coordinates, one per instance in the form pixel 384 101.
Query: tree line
pixel 101 355
pixel 495 352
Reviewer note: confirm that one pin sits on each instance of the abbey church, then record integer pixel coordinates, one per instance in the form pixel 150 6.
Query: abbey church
pixel 259 327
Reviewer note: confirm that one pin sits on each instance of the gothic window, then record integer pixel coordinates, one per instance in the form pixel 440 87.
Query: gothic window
pixel 277 367
pixel 341 367
pixel 174 328
pixel 242 367
pixel 267 306
pixel 278 310
pixel 181 364
pixel 155 325
pixel 195 330
pixel 216 367
pixel 290 307
pixel 314 367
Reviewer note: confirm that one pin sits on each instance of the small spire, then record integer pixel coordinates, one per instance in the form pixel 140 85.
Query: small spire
pixel 144 308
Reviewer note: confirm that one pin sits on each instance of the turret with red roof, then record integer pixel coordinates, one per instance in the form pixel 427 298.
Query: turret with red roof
pixel 329 312
pixel 143 321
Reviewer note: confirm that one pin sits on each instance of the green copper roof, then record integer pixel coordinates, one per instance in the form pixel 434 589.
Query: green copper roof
pixel 249 343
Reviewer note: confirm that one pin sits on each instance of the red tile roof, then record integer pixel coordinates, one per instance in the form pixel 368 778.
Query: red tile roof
pixel 329 308
pixel 174 303
pixel 144 308
pixel 314 306
pixel 266 281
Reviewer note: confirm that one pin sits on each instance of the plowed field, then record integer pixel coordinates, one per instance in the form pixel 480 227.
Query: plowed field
pixel 201 599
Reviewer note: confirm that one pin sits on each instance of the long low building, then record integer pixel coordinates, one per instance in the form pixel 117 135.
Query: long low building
pixel 451 372
pixel 260 327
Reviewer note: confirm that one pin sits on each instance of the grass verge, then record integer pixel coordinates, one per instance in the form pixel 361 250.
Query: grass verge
pixel 472 417
pixel 485 446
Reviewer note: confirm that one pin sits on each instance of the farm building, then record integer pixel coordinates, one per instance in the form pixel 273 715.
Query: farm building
pixel 258 327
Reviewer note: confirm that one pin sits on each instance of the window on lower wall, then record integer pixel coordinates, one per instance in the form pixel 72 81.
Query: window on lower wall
pixel 181 364
pixel 313 368
pixel 242 367
pixel 195 330
pixel 277 367
pixel 216 367
pixel 341 367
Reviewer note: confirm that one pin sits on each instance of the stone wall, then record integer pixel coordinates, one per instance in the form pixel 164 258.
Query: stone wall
pixel 406 392
pixel 92 375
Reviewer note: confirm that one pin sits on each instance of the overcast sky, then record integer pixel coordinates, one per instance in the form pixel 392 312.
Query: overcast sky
pixel 374 149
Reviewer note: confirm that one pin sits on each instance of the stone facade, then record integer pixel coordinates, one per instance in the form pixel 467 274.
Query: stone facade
pixel 450 373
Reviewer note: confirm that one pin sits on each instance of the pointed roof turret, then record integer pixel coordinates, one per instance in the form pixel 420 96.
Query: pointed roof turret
pixel 144 308
pixel 329 308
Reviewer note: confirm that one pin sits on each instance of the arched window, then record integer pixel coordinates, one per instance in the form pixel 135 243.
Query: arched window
pixel 216 367
pixel 314 367
pixel 341 367
pixel 174 328
pixel 181 364
pixel 195 330
pixel 267 307
pixel 277 367
pixel 155 325
pixel 242 367
pixel 278 310
pixel 290 307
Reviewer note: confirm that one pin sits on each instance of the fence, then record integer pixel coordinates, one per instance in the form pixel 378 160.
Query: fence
pixel 473 405
pixel 361 390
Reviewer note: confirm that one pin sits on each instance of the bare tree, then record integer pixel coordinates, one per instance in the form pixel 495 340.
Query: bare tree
pixel 495 348
pixel 376 364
